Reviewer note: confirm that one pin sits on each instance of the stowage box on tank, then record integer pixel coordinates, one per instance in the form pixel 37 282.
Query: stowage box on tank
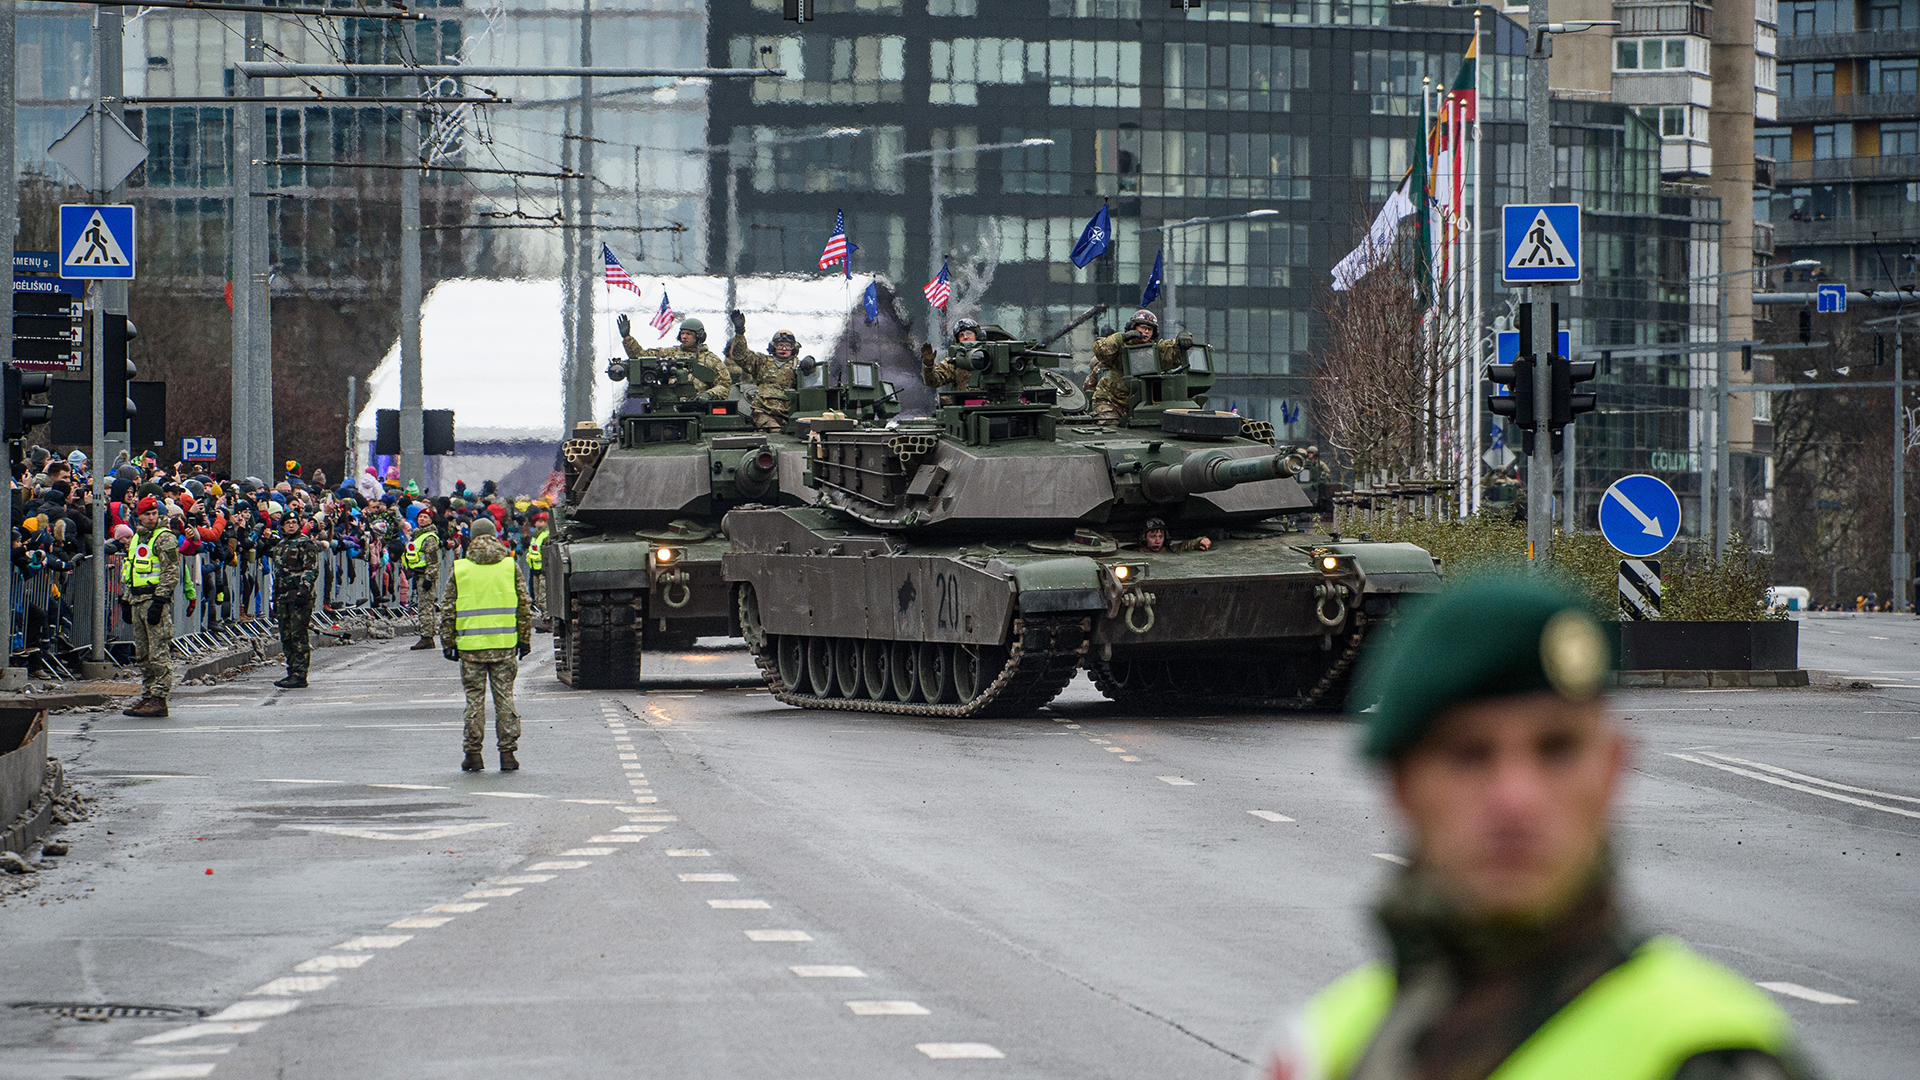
pixel 969 564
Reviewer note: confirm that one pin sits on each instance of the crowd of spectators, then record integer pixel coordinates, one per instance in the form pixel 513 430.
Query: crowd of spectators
pixel 227 529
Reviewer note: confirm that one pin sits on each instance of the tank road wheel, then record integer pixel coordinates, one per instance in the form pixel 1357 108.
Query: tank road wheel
pixel 974 669
pixel 790 654
pixel 747 603
pixel 820 665
pixel 936 672
pixel 905 673
pixel 848 671
pixel 875 662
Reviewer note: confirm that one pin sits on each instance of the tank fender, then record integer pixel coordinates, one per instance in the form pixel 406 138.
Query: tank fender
pixel 1392 567
pixel 1070 583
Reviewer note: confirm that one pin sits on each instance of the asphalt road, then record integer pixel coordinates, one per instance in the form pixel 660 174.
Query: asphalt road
pixel 687 882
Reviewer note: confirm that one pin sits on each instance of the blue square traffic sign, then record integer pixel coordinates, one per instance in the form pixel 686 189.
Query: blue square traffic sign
pixel 1830 299
pixel 96 242
pixel 1542 243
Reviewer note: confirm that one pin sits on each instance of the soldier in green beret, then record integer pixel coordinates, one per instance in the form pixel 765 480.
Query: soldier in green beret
pixel 1510 955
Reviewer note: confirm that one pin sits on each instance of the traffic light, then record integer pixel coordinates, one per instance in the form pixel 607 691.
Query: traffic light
pixel 1568 374
pixel 1517 403
pixel 117 370
pixel 1806 327
pixel 15 387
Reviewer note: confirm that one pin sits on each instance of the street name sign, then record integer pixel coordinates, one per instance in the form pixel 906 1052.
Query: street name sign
pixel 1640 515
pixel 1542 243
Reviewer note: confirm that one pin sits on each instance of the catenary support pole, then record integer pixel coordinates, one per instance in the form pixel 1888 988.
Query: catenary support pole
pixel 570 272
pixel 412 432
pixel 1901 592
pixel 1545 334
pixel 580 380
pixel 1722 433
pixel 240 264
pixel 1478 242
pixel 10 229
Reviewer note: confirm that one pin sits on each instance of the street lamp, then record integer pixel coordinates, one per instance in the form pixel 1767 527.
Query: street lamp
pixel 1722 505
pixel 936 225
pixel 733 191
pixel 1167 274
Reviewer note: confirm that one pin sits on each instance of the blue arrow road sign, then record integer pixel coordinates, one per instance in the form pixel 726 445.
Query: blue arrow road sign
pixel 1542 243
pixel 1640 515
pixel 1830 299
pixel 96 242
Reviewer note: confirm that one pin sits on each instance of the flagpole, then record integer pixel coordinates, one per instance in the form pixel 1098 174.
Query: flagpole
pixel 1479 250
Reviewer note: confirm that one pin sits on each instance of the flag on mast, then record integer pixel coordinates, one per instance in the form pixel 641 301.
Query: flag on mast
pixel 837 243
pixel 617 274
pixel 1154 280
pixel 662 320
pixel 940 289
pixel 1381 236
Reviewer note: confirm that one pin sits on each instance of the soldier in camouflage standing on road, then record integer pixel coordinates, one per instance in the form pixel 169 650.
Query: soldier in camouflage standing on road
pixel 422 563
pixel 296 568
pixel 486 623
pixel 149 572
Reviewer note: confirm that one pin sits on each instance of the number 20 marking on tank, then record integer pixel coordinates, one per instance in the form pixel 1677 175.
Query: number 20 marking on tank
pixel 948 616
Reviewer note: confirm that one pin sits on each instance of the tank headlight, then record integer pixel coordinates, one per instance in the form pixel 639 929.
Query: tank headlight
pixel 1121 573
pixel 1330 563
pixel 664 555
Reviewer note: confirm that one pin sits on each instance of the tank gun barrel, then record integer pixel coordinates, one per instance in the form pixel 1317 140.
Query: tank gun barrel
pixel 1214 470
pixel 757 472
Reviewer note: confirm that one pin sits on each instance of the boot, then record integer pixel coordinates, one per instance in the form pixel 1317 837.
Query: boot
pixel 508 763
pixel 153 708
pixel 292 682
pixel 473 762
pixel 424 643
pixel 136 708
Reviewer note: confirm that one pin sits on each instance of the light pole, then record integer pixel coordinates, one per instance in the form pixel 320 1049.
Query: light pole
pixel 1901 579
pixel 1721 509
pixel 1167 274
pixel 936 223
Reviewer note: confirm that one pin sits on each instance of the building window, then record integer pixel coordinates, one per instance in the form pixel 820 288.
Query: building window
pixel 1775 143
pixel 1096 74
pixel 838 7
pixel 870 162
pixel 186 147
pixel 1893 76
pixel 1255 165
pixel 1037 170
pixel 965 8
pixel 1900 138
pixel 1256 78
pixel 824 70
pixel 1382 161
pixel 1094 9
pixel 1116 161
pixel 1762 407
pixel 1651 54
pixel 1671 120
pixel 1335 12
pixel 1832 140
pixel 1804 18
pixel 1893 14
pixel 1392 78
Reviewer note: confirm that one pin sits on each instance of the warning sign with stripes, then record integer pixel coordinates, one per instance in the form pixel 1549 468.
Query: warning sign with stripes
pixel 1640 589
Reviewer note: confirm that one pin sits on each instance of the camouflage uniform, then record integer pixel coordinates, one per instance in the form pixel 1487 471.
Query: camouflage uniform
pixel 720 387
pixel 772 375
pixel 296 566
pixel 426 580
pixel 483 668
pixel 941 373
pixel 153 643
pixel 1106 383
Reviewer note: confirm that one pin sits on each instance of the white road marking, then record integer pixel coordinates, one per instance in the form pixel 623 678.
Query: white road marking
pixel 524 879
pixel 651 816
pixel 284 781
pixel 827 971
pixel 573 865
pixel 481 894
pixel 401 832
pixel 629 757
pixel 508 794
pixel 1268 815
pixel 887 1008
pixel 688 853
pixel 420 923
pixel 641 828
pixel 376 941
pixel 146 776
pixel 331 963
pixel 176 1072
pixel 1876 637
pixel 646 799
pixel 1116 749
pixel 1075 727
pixel 457 909
pixel 1818 997
pixel 1128 757
pixel 958 1050
pixel 590 802
pixel 708 877
pixel 1176 781
pixel 1807 788
pixel 200 1031
pixel 196 1051
pixel 1726 690
pixel 1397 860
pixel 588 851
pixel 778 935
pixel 739 905
pixel 411 787
pixel 289 985
pixel 608 839
pixel 1791 775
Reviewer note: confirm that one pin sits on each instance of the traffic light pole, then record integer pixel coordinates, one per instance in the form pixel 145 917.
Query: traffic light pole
pixel 1545 334
pixel 10 228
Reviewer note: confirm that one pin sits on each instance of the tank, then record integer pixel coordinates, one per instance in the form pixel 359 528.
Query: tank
pixel 971 563
pixel 638 547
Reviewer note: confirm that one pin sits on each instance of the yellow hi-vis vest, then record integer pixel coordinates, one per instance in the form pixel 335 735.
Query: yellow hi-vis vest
pixel 1640 1021
pixel 533 550
pixel 487 606
pixel 411 558
pixel 140 569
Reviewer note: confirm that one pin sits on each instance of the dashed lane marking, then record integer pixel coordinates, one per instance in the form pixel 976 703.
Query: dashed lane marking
pixel 590 802
pixel 1818 997
pixel 1397 860
pixel 523 879
pixel 458 909
pixel 958 1050
pixel 651 815
pixel 1268 815
pixel 708 877
pixel 376 941
pixel 401 832
pixel 827 971
pixel 778 935
pixel 1176 781
pixel 573 864
pixel 888 1008
pixel 421 923
pixel 254 1010
pixel 1116 749
pixel 201 1031
pixel 289 985
pixel 587 851
pixel 508 794
pixel 1796 786
pixel 1128 757
pixel 739 905
pixel 176 1072
pixel 605 838
pixel 411 787
pixel 688 853
pixel 331 963
pixel 641 828
pixel 196 1051
pixel 647 799
pixel 281 780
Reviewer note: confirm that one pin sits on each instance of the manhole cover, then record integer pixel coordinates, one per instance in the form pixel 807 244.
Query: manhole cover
pixel 100 1013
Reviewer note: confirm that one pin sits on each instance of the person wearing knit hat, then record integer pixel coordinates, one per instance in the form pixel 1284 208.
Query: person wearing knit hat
pixel 486 623
pixel 421 560
pixel 149 573
pixel 1511 954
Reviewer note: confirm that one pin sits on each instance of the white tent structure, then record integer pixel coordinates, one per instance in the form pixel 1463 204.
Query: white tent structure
pixel 491 352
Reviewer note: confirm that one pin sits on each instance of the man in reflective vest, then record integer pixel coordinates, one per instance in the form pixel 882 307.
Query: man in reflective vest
pixel 149 572
pixel 486 623
pixel 536 559
pixel 421 560
pixel 1511 956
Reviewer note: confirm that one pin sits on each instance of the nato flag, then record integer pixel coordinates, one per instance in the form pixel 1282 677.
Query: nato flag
pixel 1093 242
pixel 1153 282
pixel 872 300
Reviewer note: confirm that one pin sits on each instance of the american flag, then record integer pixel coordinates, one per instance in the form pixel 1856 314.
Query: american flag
pixel 940 289
pixel 617 274
pixel 837 243
pixel 663 319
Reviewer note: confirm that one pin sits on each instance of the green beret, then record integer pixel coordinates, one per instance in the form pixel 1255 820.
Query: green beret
pixel 1482 638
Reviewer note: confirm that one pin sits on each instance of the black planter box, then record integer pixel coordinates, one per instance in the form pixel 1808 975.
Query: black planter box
pixel 1671 645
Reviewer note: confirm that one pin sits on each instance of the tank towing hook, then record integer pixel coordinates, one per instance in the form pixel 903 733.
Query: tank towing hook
pixel 1135 603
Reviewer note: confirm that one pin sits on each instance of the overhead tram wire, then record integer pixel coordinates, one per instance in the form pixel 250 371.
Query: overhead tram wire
pixel 399 14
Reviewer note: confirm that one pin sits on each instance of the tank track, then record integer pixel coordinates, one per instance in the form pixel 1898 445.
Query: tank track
pixel 602 641
pixel 1329 691
pixel 1045 654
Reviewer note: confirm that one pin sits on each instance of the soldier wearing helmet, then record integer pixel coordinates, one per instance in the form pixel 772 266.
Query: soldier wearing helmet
pixel 942 373
pixel 711 384
pixel 1153 539
pixel 1106 383
pixel 770 372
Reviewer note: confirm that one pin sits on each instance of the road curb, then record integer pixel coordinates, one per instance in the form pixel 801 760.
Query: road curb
pixel 1677 679
pixel 29 827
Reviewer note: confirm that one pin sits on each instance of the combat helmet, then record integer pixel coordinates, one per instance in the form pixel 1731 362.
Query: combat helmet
pixel 964 326
pixel 698 329
pixel 784 337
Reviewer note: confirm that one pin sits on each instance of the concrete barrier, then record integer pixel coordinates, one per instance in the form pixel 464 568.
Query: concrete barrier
pixel 27 783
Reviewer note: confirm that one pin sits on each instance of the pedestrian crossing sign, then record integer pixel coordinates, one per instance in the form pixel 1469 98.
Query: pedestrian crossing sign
pixel 96 242
pixel 1542 243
